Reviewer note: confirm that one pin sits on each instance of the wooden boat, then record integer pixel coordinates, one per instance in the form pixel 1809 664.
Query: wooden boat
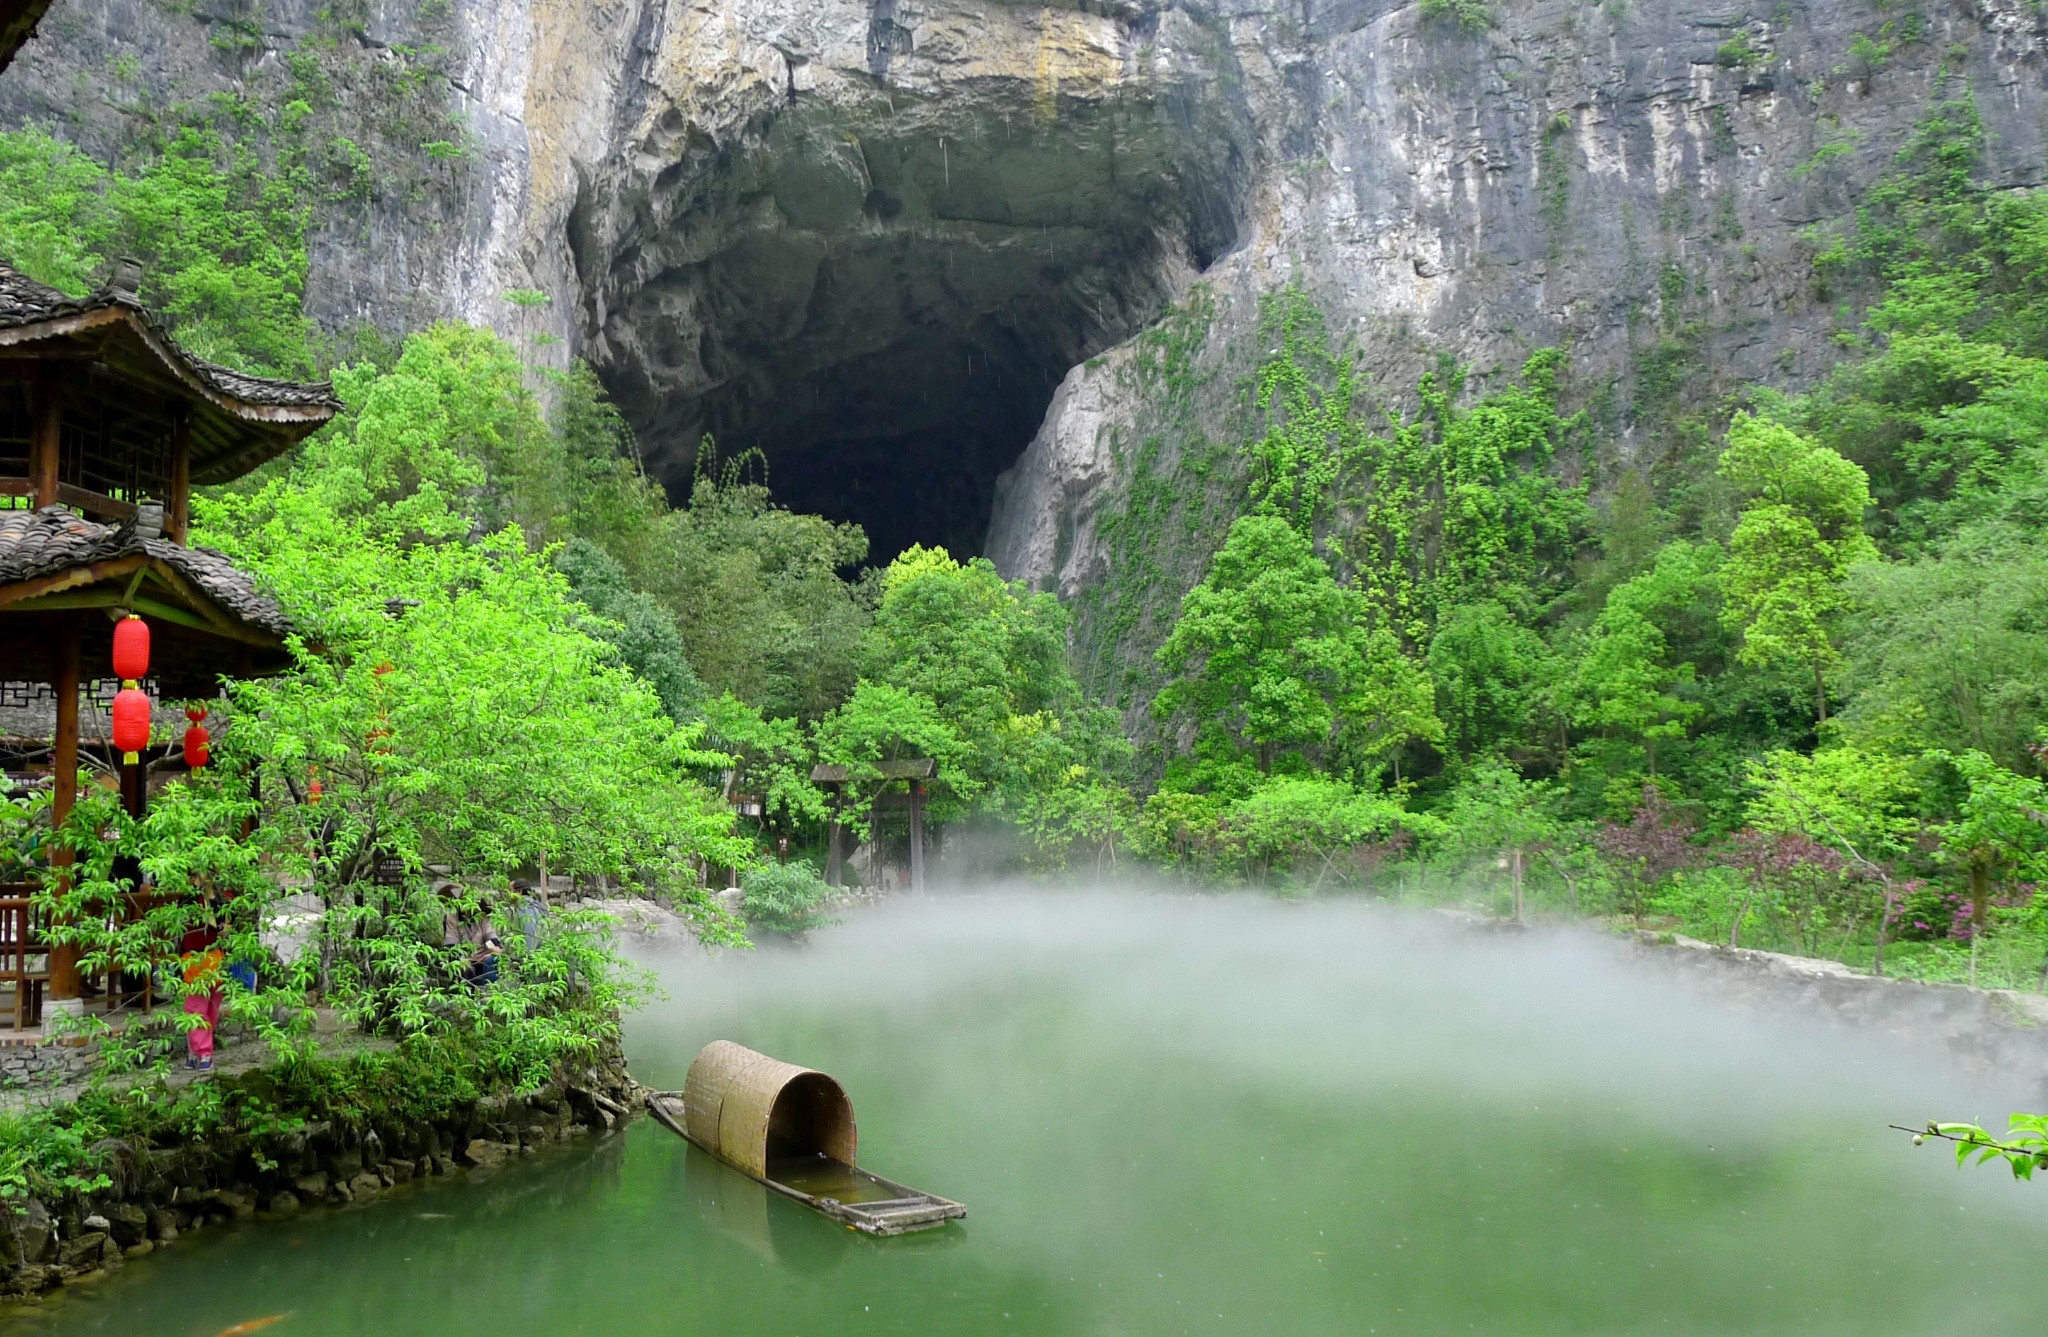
pixel 791 1129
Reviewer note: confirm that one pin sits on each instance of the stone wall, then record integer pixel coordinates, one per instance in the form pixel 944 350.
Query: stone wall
pixel 1997 1035
pixel 159 1194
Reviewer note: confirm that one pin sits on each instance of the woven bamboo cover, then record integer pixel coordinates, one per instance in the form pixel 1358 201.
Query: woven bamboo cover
pixel 730 1101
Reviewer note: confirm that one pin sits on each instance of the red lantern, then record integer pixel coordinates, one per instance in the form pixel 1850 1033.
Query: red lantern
pixel 196 746
pixel 131 723
pixel 313 788
pixel 131 649
pixel 195 712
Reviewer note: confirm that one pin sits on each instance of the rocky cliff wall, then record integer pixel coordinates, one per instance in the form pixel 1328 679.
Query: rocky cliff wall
pixel 1638 184
pixel 872 239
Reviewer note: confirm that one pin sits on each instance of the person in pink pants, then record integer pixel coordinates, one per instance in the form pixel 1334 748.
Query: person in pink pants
pixel 202 963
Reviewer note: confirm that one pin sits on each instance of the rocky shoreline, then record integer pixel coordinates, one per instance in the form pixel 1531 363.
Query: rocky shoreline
pixel 1996 1035
pixel 158 1195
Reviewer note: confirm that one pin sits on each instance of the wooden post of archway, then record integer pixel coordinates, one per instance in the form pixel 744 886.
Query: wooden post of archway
pixel 835 838
pixel 917 836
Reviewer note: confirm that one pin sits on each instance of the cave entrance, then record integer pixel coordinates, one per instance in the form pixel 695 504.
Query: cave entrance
pixel 907 441
pixel 882 303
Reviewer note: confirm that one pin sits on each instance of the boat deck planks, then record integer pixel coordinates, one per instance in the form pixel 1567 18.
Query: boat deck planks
pixel 848 1194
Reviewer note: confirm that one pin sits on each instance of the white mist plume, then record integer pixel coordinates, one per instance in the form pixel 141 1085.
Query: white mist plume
pixel 1345 997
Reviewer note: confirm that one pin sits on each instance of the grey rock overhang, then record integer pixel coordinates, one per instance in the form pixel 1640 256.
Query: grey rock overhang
pixel 241 420
pixel 18 20
pixel 40 548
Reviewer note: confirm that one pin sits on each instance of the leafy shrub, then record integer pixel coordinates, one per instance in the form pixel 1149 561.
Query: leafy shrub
pixel 785 898
pixel 1469 15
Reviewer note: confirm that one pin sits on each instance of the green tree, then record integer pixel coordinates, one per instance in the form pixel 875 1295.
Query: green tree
pixel 1863 804
pixel 881 724
pixel 785 898
pixel 1624 678
pixel 1491 674
pixel 2000 825
pixel 1292 823
pixel 774 758
pixel 1948 651
pixel 1268 646
pixel 641 632
pixel 758 594
pixel 1495 813
pixel 1799 535
pixel 447 709
pixel 1392 707
pixel 990 657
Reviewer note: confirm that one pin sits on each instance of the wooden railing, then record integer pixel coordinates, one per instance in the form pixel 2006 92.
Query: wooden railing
pixel 24 956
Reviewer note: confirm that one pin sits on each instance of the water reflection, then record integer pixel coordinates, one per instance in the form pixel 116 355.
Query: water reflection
pixel 764 1223
pixel 1215 1117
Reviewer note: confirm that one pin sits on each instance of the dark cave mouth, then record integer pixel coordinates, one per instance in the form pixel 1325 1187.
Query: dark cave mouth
pixel 884 306
pixel 917 372
pixel 910 450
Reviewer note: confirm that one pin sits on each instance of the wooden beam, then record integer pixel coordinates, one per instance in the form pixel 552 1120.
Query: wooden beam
pixel 20 363
pixel 70 579
pixel 45 440
pixel 178 506
pixel 231 631
pixel 106 595
pixel 94 503
pixel 224 623
pixel 64 981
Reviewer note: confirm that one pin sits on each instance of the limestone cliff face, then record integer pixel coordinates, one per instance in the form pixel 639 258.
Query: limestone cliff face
pixel 868 239
pixel 874 239
pixel 1635 182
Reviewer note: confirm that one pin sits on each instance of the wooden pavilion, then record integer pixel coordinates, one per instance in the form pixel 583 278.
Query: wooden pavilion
pixel 105 427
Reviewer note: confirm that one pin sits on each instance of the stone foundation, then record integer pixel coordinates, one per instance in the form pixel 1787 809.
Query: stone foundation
pixel 157 1194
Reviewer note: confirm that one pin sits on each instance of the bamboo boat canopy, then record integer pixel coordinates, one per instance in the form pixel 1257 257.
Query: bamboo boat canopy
pixel 748 1109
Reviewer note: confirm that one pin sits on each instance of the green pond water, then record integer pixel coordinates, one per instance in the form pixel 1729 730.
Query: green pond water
pixel 1175 1115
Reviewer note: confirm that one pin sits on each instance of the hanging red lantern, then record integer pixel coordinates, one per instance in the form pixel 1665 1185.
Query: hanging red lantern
pixel 313 789
pixel 131 649
pixel 195 712
pixel 197 746
pixel 131 723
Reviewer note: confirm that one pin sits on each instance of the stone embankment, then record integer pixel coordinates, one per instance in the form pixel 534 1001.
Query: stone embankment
pixel 158 1195
pixel 1999 1035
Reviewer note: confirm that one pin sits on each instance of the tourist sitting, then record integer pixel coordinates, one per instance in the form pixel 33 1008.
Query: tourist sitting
pixel 472 931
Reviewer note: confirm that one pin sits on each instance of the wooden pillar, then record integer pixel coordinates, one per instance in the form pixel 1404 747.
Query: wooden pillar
pixel 45 440
pixel 135 789
pixel 835 847
pixel 64 982
pixel 916 836
pixel 178 506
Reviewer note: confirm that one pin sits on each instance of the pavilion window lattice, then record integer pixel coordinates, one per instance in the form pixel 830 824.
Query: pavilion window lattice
pixel 102 454
pixel 94 696
pixel 15 420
